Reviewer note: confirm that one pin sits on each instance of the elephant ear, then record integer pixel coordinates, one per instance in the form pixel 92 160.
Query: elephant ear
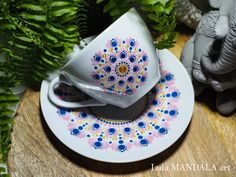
pixel 215 3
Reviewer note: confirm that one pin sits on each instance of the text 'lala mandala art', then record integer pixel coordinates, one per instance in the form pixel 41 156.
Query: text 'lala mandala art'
pixel 121 67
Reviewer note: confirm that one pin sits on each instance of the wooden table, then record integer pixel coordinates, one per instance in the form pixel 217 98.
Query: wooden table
pixel 208 143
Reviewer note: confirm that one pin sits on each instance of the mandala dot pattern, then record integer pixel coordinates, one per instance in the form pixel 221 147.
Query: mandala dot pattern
pixel 121 67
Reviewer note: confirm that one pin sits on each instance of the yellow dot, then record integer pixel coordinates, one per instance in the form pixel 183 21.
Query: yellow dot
pixel 122 69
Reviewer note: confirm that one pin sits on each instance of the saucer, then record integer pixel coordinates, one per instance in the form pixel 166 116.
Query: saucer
pixel 163 120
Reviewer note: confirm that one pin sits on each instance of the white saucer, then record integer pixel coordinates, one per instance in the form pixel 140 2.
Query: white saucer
pixel 164 120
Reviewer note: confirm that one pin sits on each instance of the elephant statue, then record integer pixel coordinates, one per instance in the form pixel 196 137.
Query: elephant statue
pixel 210 55
pixel 190 14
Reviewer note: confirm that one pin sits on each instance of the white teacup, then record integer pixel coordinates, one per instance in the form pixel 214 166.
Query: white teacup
pixel 118 67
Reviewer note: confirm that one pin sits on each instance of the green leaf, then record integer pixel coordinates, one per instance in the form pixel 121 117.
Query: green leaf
pixel 29 6
pixel 99 1
pixel 6 112
pixel 6 121
pixel 2 170
pixel 28 16
pixel 68 10
pixel 58 3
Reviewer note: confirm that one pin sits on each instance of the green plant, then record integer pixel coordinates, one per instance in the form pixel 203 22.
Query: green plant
pixel 36 36
pixel 159 12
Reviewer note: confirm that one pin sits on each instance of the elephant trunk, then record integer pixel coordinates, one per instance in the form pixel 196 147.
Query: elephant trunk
pixel 226 62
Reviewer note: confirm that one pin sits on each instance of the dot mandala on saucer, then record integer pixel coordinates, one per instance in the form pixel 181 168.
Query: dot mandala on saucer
pixel 121 136
pixel 121 67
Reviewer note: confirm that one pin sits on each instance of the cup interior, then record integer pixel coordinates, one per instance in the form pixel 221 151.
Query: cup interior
pixel 114 113
pixel 69 93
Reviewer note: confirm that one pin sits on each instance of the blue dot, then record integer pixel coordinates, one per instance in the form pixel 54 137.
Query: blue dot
pixel 122 148
pixel 75 131
pixel 62 111
pixel 129 91
pixel 172 112
pixel 151 115
pixel 144 142
pixel 111 131
pixel 112 59
pixel 88 136
pixel 141 124
pixel 155 90
pixel 123 55
pixel 114 43
pixel 107 69
pixel 169 77
pixel 157 127
pixel 121 82
pixel 99 139
pixel 139 50
pixel 116 48
pixel 136 69
pixel 166 112
pixel 121 142
pixel 80 128
pixel 110 142
pixel 83 115
pixel 131 79
pixel 96 77
pixel 127 130
pixel 97 145
pixel 130 48
pixel 96 126
pixel 162 131
pixel 143 79
pixel 145 58
pixel 111 78
pixel 132 43
pixel 132 58
pixel 98 58
pixel 140 137
pixel 123 42
pixel 155 102
pixel 174 94
pixel 105 50
pixel 167 95
pixel 163 80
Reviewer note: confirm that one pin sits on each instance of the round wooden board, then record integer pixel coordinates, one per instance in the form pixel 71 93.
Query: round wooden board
pixel 210 140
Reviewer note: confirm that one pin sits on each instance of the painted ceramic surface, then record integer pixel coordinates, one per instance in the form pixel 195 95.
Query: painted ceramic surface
pixel 121 136
pixel 165 118
pixel 121 67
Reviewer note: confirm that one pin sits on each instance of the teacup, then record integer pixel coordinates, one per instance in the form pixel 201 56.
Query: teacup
pixel 118 67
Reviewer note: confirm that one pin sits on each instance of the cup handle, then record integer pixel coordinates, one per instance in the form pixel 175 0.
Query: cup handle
pixel 67 104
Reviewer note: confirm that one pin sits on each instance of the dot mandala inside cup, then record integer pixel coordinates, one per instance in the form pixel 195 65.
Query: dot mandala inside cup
pixel 121 67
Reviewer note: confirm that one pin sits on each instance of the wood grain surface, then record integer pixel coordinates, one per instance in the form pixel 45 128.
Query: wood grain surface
pixel 209 145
